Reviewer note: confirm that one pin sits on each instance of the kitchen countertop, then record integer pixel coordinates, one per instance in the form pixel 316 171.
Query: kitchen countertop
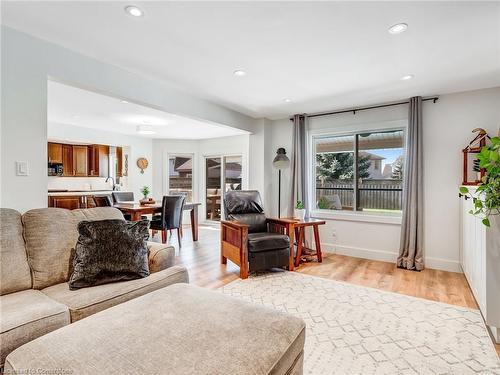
pixel 78 193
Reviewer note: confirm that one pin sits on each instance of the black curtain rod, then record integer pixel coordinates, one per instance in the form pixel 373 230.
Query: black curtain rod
pixel 354 110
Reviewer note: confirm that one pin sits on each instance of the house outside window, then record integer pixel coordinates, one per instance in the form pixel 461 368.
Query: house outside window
pixel 180 176
pixel 359 172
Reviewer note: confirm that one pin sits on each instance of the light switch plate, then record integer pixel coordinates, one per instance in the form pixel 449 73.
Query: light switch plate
pixel 22 168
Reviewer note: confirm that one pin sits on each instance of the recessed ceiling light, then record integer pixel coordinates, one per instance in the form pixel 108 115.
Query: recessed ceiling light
pixel 124 101
pixel 398 28
pixel 145 129
pixel 134 11
pixel 407 77
pixel 287 100
pixel 239 73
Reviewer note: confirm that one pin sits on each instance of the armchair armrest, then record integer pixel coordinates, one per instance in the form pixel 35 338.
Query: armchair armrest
pixel 234 245
pixel 160 256
pixel 234 224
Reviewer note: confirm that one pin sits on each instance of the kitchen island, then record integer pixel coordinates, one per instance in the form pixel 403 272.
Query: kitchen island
pixel 73 200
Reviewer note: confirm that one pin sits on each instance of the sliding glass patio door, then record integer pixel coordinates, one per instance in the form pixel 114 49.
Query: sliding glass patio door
pixel 222 174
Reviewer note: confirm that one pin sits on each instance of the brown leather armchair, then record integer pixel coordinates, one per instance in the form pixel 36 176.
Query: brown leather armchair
pixel 250 239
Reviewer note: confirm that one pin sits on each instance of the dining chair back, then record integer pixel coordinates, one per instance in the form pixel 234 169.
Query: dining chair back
pixel 171 216
pixel 171 211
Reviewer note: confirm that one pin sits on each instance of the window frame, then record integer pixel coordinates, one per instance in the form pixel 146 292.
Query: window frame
pixel 194 193
pixel 350 130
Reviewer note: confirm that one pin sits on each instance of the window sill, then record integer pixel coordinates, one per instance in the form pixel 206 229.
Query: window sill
pixel 356 216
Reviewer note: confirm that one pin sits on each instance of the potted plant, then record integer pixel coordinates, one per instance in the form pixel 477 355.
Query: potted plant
pixel 300 211
pixel 486 198
pixel 145 192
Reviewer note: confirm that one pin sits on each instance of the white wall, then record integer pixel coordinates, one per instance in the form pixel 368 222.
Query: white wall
pixel 162 148
pixel 135 147
pixel 27 63
pixel 447 129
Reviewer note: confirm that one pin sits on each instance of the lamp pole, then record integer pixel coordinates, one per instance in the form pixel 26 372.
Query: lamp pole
pixel 279 193
pixel 280 162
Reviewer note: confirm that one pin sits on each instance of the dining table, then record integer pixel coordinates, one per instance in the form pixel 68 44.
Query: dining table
pixel 136 210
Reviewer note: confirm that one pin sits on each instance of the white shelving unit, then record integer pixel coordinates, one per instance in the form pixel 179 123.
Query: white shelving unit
pixel 480 261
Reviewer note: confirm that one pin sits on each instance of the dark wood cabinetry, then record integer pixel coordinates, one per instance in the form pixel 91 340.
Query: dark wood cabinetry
pixel 54 153
pixel 98 156
pixel 70 202
pixel 80 160
pixel 119 162
pixel 73 202
pixel 67 160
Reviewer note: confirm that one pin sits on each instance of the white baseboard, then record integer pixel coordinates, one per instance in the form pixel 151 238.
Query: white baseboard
pixel 387 256
pixel 443 264
pixel 359 252
pixel 495 332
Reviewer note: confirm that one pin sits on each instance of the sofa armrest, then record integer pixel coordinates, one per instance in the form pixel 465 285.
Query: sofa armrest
pixel 161 256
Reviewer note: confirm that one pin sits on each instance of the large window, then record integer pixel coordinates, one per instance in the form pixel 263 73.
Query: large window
pixel 360 172
pixel 180 176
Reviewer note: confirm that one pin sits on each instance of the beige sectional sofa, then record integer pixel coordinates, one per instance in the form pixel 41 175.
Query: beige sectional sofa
pixel 35 261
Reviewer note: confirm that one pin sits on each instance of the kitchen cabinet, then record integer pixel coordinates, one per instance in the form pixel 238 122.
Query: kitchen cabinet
pixel 67 160
pixel 54 153
pixel 80 160
pixel 70 202
pixel 119 162
pixel 98 163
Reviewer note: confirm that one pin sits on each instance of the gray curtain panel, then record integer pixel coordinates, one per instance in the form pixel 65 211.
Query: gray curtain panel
pixel 298 164
pixel 411 250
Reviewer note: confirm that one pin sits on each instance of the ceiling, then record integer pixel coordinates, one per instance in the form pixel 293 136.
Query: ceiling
pixel 322 55
pixel 68 105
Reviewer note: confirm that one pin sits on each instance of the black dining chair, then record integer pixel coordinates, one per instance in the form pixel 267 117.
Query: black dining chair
pixel 170 218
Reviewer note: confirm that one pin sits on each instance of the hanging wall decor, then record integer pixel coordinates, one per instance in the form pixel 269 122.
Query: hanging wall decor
pixel 472 173
pixel 142 163
pixel 125 172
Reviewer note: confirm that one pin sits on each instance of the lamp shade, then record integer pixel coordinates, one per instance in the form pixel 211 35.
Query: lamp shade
pixel 281 161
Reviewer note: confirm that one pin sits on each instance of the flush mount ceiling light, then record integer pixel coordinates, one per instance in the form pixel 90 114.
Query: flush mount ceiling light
pixel 239 73
pixel 145 129
pixel 134 11
pixel 398 28
pixel 407 77
pixel 287 100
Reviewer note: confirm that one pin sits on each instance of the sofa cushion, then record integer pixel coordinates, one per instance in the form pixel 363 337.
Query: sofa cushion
pixel 108 251
pixel 27 315
pixel 267 241
pixel 181 329
pixel 88 301
pixel 14 269
pixel 50 234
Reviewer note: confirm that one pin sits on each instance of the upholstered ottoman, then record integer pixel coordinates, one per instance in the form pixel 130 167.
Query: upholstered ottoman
pixel 180 329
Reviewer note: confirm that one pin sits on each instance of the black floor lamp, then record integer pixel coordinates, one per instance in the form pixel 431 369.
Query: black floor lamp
pixel 280 162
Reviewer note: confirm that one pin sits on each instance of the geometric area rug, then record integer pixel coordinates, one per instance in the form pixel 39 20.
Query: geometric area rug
pixel 358 330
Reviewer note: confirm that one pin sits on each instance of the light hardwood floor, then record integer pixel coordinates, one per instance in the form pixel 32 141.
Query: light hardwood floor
pixel 202 259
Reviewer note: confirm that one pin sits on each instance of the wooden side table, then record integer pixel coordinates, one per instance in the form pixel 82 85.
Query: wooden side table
pixel 300 227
